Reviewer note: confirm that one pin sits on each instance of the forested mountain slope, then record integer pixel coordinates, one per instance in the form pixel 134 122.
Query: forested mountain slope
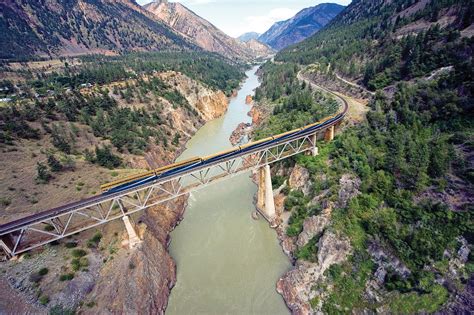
pixel 383 220
pixel 304 24
pixel 389 41
pixel 41 28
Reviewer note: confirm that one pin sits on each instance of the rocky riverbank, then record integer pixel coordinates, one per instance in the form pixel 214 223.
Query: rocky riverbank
pixel 241 134
pixel 151 271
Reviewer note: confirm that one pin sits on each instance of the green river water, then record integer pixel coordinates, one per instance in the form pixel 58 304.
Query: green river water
pixel 227 263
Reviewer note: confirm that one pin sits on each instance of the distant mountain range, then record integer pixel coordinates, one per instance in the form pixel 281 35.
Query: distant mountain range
pixel 202 33
pixel 303 25
pixel 64 28
pixel 248 36
pixel 32 28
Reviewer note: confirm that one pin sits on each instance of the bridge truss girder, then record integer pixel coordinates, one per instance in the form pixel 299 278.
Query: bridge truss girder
pixel 78 219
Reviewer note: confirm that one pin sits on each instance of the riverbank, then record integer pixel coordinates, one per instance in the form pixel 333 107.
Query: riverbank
pixel 297 285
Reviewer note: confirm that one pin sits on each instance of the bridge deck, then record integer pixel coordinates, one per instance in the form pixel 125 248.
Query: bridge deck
pixel 29 232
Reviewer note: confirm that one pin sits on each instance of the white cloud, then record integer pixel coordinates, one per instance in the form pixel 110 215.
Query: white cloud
pixel 198 2
pixel 261 23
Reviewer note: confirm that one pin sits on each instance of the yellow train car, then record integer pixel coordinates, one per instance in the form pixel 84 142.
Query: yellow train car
pixel 124 180
pixel 193 159
pixel 255 142
pixel 287 133
pixel 156 171
pixel 208 157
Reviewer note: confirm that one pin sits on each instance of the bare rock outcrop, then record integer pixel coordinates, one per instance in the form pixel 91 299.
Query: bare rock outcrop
pixel 210 104
pixel 299 179
pixel 202 33
pixel 139 281
pixel 248 99
pixel 313 226
pixel 349 188
pixel 296 285
pixel 256 115
pixel 241 134
pixel 386 260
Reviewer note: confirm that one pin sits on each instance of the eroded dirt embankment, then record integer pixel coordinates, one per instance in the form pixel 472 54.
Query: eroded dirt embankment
pixel 140 280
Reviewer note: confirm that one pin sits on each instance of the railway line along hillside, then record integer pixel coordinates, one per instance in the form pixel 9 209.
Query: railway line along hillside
pixel 381 219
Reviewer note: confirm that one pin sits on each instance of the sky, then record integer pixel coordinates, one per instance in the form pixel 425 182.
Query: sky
pixel 236 17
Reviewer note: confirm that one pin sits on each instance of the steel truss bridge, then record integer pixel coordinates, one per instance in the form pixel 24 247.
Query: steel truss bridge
pixel 51 225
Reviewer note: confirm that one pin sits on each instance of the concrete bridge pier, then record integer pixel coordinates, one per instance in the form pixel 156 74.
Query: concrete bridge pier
pixel 269 201
pixel 265 201
pixel 329 134
pixel 261 189
pixel 314 150
pixel 133 239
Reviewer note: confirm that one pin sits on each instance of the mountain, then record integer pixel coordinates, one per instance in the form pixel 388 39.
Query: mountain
pixel 381 43
pixel 198 30
pixel 304 24
pixel 248 36
pixel 390 198
pixel 74 27
pixel 258 49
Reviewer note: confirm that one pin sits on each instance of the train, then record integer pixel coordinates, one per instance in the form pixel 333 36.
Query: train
pixel 149 176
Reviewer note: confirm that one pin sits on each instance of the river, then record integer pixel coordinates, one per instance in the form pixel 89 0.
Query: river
pixel 227 263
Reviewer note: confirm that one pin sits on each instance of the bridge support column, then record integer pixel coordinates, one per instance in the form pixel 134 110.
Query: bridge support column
pixel 269 201
pixel 133 239
pixel 314 150
pixel 261 189
pixel 6 249
pixel 329 134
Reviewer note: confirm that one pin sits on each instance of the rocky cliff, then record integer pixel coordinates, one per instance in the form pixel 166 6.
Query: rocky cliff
pixel 209 104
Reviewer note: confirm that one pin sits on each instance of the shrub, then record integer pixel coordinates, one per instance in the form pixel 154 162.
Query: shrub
pixel 71 244
pixel 77 253
pixel 44 300
pixel 94 240
pixel 43 271
pixel 5 201
pixel 43 176
pixel 78 263
pixel 105 158
pixel 61 310
pixel 54 164
pixel 35 277
pixel 48 228
pixel 66 277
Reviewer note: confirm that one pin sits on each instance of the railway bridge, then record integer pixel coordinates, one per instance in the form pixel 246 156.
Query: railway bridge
pixel 130 195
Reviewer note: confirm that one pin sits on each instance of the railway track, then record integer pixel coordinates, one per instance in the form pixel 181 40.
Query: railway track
pixel 12 232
